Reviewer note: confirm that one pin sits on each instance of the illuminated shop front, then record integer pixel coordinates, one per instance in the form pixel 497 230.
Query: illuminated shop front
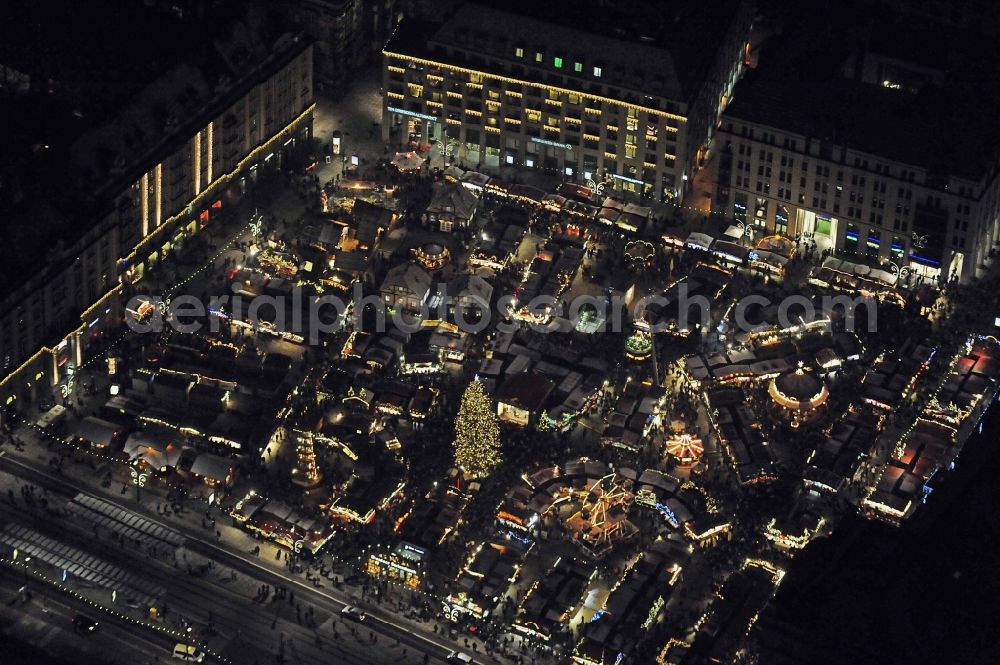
pixel 851 239
pixel 927 241
pixel 781 220
pixel 819 228
pixel 421 128
pixel 873 244
pixel 404 564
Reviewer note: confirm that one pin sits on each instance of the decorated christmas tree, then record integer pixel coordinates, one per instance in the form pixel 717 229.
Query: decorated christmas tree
pixel 477 434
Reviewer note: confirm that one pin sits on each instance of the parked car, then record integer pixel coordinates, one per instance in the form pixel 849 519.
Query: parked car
pixel 459 657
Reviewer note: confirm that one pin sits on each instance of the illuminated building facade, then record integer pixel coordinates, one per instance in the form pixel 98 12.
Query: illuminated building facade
pixel 493 88
pixel 347 33
pixel 856 203
pixel 912 185
pixel 138 185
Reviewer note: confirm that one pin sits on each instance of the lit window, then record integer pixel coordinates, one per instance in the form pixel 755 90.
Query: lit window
pixel 557 62
pixel 538 56
pixel 519 52
pixel 597 72
pixel 577 66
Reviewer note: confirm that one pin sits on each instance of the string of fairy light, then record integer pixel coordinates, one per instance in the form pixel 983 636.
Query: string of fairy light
pixel 98 456
pixel 184 637
pixel 184 282
pixel 253 224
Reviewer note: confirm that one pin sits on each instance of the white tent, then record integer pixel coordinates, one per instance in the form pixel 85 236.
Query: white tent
pixel 474 180
pixel 700 241
pixel 734 232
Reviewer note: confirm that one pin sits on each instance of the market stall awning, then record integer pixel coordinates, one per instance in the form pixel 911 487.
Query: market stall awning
pixel 407 161
pixel 702 241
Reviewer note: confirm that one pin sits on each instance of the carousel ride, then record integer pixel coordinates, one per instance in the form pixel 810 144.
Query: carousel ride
pixel 798 394
pixel 432 255
pixel 598 518
pixel 639 345
pixel 640 255
pixel 687 449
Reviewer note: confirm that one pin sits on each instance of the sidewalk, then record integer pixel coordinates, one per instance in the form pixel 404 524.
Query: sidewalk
pixel 230 538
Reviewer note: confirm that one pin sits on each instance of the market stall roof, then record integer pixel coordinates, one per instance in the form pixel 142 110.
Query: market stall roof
pixel 734 231
pixel 554 201
pixel 453 173
pixel 630 221
pixel 527 192
pixel 778 245
pixel 832 263
pixel 726 249
pixel 330 234
pixel 454 200
pixel 609 215
pixel 474 179
pixel 407 161
pixel 214 467
pixel 526 390
pixel 674 236
pixel 581 209
pixel 700 240
pixel 640 211
pixel 574 191
pixel 883 276
pixel 770 258
pixel 96 431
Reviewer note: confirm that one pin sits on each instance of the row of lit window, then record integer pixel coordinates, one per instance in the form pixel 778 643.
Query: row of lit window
pixel 558 62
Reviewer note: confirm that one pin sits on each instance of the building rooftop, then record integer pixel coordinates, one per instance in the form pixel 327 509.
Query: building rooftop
pixel 809 83
pixel 105 92
pixel 526 390
pixel 939 129
pixel 662 49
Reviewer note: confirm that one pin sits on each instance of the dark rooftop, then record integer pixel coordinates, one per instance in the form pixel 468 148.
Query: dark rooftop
pixel 939 130
pixel 659 48
pixel 102 83
pixel 803 86
pixel 526 390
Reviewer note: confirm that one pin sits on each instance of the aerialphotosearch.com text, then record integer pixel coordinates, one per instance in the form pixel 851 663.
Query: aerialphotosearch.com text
pixel 308 318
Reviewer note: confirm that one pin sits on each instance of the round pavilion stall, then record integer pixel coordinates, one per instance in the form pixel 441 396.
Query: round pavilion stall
pixel 798 394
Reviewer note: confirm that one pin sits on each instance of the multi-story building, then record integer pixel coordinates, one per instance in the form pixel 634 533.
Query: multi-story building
pixel 978 15
pixel 346 33
pixel 868 168
pixel 634 105
pixel 125 192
